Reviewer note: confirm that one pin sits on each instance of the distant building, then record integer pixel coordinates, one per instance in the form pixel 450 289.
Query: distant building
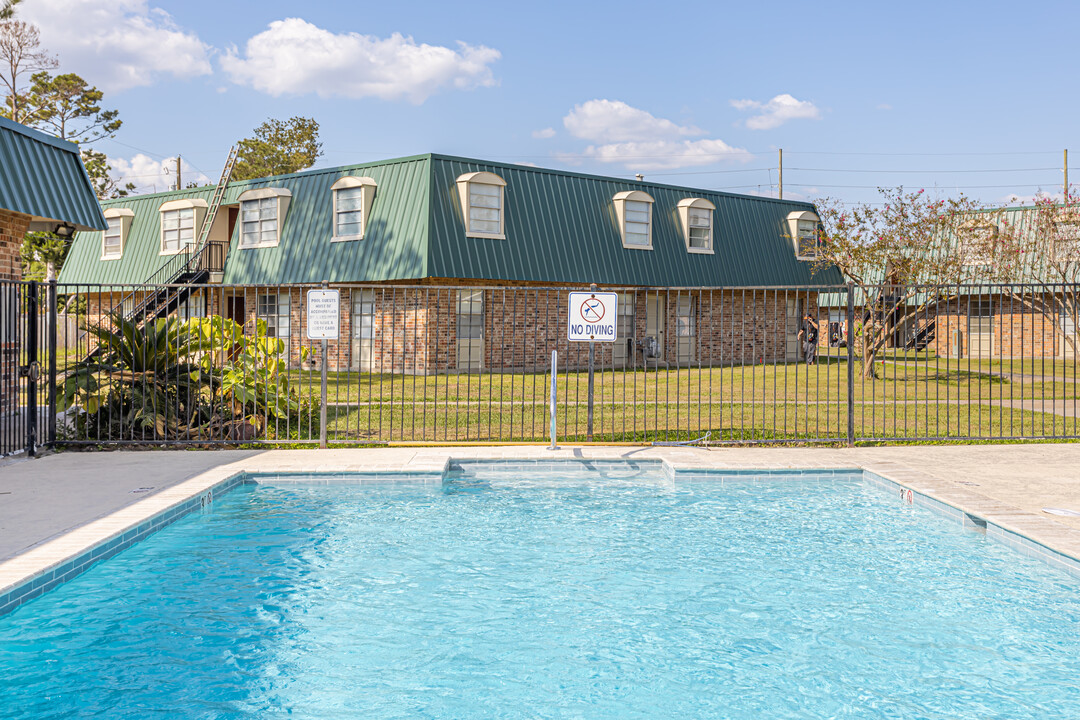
pixel 422 242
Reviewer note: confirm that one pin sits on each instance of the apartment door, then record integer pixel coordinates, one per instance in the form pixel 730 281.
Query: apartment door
pixel 686 329
pixel 235 310
pixel 470 330
pixel 623 350
pixel 980 328
pixel 656 321
pixel 1067 326
pixel 792 321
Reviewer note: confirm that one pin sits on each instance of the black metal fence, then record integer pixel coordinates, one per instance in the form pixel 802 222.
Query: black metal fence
pixel 210 364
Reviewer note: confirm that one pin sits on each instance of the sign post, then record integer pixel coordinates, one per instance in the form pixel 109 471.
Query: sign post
pixel 591 318
pixel 323 323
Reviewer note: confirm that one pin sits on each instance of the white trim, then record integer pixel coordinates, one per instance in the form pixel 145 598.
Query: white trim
pixel 367 198
pixel 620 199
pixel 793 219
pixel 261 193
pixel 183 204
pixel 683 209
pixel 482 178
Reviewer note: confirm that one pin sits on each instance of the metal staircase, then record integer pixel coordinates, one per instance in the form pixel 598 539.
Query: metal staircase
pixel 192 266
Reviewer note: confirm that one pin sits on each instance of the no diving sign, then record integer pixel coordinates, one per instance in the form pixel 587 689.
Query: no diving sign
pixel 323 308
pixel 592 317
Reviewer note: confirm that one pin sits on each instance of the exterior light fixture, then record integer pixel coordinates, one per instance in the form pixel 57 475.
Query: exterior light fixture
pixel 64 231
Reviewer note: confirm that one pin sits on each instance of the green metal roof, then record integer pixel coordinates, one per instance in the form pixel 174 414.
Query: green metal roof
pixel 44 177
pixel 560 227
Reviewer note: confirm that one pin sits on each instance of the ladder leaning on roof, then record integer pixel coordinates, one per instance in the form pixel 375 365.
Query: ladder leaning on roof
pixel 188 268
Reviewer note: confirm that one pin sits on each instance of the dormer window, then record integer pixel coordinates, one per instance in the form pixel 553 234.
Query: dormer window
pixel 633 211
pixel 1067 237
pixel 114 237
pixel 180 220
pixel 482 195
pixel 353 197
pixel 977 240
pixel 696 216
pixel 803 229
pixel 261 214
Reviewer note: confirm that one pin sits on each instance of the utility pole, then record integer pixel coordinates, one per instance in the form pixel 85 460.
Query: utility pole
pixel 1066 175
pixel 781 173
pixel 178 183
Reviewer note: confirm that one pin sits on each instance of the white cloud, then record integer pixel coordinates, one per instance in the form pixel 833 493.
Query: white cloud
pixel 150 175
pixel 544 134
pixel 664 154
pixel 777 111
pixel 295 57
pixel 118 44
pixel 1041 195
pixel 613 121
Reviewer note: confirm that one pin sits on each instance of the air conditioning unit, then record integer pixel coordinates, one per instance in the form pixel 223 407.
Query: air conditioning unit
pixel 649 347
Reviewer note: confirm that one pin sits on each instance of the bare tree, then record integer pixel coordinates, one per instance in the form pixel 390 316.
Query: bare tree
pixel 20 55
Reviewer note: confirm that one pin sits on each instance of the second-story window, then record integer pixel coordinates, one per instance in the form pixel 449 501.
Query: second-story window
pixel 353 198
pixel 111 246
pixel 177 230
pixel 696 215
pixel 482 203
pixel 633 211
pixel 262 213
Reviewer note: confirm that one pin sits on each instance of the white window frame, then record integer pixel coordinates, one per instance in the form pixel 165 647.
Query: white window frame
pixel 1067 229
pixel 686 316
pixel 280 198
pixel 464 186
pixel 194 307
pixel 797 221
pixel 686 210
pixel 621 201
pixel 281 320
pixel 366 188
pixel 119 220
pixel 967 241
pixel 197 208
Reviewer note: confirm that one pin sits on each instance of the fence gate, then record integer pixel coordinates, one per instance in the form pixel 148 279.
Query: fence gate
pixel 27 360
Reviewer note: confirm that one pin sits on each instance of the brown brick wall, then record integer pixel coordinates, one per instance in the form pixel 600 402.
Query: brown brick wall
pixel 13 228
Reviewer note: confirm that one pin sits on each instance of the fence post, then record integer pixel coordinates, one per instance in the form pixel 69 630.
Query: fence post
pixel 31 369
pixel 51 409
pixel 851 364
pixel 322 403
pixel 592 368
pixel 554 394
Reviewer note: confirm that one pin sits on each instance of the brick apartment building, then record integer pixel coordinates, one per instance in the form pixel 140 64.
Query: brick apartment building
pixel 453 264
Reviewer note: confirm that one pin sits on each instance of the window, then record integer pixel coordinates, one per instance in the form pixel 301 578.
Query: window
pixel 261 214
pixel 115 235
pixel 803 229
pixel 177 230
pixel 192 308
pixel 696 215
pixel 977 240
pixel 274 309
pixel 112 246
pixel 1067 239
pixel 482 195
pixel 633 210
pixel 353 198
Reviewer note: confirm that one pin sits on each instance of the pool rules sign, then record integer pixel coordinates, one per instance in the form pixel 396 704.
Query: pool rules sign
pixel 323 313
pixel 592 316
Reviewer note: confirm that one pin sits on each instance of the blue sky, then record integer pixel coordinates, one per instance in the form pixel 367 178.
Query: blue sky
pixel 973 97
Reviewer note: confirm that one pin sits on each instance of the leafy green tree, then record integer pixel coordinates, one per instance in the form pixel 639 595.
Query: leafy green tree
pixel 278 147
pixel 7 9
pixel 70 108
pixel 97 167
pixel 42 253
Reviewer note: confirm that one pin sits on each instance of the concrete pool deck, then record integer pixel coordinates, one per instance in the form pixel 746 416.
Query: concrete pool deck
pixel 55 507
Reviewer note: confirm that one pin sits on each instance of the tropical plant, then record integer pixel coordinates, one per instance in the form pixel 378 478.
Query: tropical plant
pixel 142 382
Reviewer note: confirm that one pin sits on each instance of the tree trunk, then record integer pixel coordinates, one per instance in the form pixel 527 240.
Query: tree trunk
pixel 868 355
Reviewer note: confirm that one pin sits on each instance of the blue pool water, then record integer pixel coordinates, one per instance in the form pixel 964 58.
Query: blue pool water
pixel 572 596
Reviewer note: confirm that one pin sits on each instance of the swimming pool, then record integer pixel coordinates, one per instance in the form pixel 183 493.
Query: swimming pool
pixel 610 591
